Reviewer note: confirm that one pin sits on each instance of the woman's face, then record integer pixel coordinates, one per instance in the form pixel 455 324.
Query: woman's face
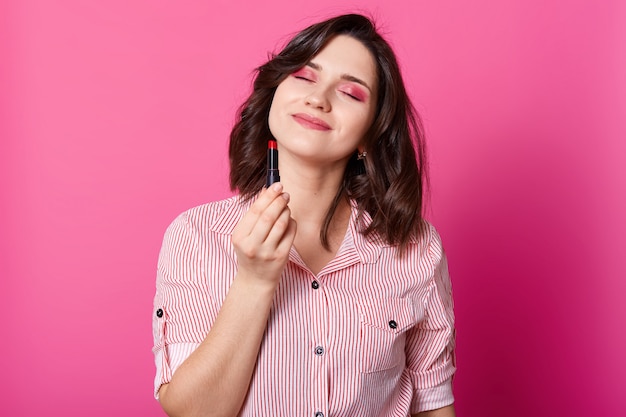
pixel 321 112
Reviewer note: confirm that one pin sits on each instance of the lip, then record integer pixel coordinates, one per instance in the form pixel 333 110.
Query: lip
pixel 310 122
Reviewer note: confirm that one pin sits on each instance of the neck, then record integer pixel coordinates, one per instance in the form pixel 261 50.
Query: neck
pixel 312 190
pixel 310 198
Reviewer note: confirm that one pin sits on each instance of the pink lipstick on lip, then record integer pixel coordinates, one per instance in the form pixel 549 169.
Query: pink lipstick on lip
pixel 310 122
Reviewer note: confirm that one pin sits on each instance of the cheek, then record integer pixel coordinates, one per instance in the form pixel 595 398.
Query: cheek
pixel 362 122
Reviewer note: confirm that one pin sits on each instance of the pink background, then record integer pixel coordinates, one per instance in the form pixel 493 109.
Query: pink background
pixel 114 117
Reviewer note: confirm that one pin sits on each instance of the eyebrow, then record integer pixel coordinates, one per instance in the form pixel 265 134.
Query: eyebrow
pixel 346 77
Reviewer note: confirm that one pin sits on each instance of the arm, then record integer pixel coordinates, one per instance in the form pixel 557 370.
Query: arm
pixel 440 412
pixel 430 344
pixel 214 379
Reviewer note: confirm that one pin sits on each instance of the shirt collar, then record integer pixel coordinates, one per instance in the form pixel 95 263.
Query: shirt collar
pixel 369 247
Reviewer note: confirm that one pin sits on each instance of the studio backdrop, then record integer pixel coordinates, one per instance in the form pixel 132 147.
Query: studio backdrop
pixel 115 117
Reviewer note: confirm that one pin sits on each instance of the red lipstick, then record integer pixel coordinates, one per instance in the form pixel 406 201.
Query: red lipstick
pixel 272 163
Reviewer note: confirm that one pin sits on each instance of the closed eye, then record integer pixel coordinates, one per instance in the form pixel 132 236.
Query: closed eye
pixel 352 96
pixel 304 74
pixel 353 92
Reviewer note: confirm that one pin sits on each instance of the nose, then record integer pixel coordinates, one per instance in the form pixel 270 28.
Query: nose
pixel 319 100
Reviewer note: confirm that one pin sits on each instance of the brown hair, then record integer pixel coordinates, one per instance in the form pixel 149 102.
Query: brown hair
pixel 389 183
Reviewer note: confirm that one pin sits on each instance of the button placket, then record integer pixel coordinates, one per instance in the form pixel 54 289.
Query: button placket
pixel 319 339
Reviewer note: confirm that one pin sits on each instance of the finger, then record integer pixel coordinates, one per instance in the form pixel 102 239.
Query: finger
pixel 265 198
pixel 278 229
pixel 286 242
pixel 268 219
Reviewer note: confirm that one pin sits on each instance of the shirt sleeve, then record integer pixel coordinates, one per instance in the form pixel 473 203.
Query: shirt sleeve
pixel 181 304
pixel 431 361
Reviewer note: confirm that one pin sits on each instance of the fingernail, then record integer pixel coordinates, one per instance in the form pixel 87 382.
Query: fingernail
pixel 286 196
pixel 277 186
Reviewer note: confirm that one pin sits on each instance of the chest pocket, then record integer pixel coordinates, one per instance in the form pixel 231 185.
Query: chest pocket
pixel 384 323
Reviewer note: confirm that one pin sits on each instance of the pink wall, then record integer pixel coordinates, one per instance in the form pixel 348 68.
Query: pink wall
pixel 114 118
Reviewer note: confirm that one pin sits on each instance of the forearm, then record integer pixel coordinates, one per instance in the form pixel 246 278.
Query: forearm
pixel 215 378
pixel 440 412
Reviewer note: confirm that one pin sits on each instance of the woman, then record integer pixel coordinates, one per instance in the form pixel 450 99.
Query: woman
pixel 325 294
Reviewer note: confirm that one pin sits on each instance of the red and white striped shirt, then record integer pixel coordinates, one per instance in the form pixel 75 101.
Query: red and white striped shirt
pixel 371 334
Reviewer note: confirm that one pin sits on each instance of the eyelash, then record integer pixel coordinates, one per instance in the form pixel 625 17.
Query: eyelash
pixel 351 96
pixel 304 78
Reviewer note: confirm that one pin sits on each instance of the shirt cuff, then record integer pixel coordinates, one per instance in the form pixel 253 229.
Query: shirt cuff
pixel 167 360
pixel 432 398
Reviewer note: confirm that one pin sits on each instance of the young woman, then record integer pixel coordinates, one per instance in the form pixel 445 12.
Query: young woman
pixel 325 294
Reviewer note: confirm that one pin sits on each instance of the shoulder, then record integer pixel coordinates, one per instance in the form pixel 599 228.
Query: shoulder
pixel 425 250
pixel 427 240
pixel 217 216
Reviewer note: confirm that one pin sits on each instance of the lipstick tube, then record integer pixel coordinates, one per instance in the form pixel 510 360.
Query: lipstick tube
pixel 272 163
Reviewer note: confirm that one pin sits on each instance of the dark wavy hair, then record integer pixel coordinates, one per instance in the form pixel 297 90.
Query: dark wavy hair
pixel 389 183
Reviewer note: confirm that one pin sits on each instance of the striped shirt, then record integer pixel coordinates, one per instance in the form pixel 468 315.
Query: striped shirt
pixel 372 334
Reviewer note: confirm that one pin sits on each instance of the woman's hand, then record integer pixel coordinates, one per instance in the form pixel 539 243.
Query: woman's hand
pixel 264 236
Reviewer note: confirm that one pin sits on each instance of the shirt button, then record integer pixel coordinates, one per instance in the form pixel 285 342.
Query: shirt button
pixel 319 350
pixel 319 414
pixel 393 324
pixel 159 313
pixel 315 285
